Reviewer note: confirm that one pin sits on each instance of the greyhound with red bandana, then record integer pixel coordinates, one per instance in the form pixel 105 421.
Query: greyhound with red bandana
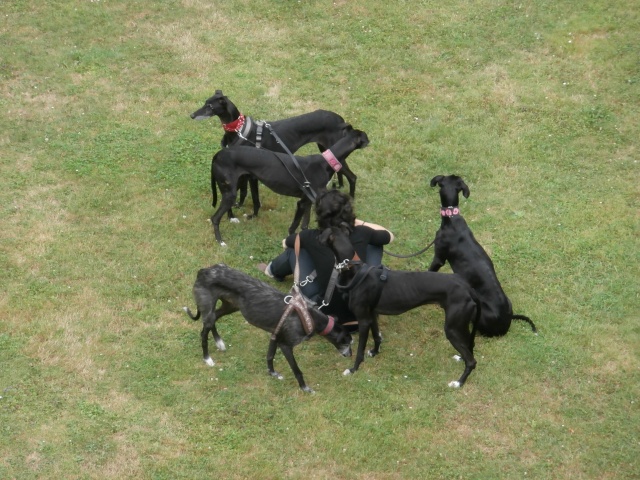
pixel 456 244
pixel 322 127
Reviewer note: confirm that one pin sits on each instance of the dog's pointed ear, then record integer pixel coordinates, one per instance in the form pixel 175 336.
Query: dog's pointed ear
pixel 326 237
pixel 436 180
pixel 465 190
pixel 346 227
pixel 221 97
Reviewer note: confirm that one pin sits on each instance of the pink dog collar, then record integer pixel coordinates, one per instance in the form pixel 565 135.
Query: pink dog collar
pixel 449 212
pixel 332 160
pixel 329 326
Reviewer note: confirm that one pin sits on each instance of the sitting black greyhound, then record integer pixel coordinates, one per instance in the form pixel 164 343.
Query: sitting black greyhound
pixel 278 172
pixel 456 244
pixel 322 127
pixel 378 290
pixel 262 306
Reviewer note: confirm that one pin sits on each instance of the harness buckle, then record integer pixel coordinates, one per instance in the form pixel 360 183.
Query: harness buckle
pixel 306 281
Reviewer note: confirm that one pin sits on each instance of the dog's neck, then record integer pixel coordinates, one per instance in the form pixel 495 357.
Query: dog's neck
pixel 332 160
pixel 235 126
pixel 449 212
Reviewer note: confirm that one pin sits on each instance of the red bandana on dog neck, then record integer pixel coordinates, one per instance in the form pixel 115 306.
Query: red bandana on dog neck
pixel 234 126
pixel 332 160
pixel 449 211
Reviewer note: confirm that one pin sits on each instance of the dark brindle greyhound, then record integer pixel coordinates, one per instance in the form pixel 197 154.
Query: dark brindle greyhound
pixel 378 290
pixel 456 244
pixel 322 127
pixel 262 306
pixel 278 172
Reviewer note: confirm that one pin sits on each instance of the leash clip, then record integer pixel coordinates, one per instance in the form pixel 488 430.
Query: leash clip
pixel 287 299
pixel 306 281
pixel 342 265
pixel 323 304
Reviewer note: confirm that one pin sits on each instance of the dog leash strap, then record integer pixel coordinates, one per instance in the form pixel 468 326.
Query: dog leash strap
pixel 296 270
pixel 331 286
pixel 286 313
pixel 306 186
pixel 411 254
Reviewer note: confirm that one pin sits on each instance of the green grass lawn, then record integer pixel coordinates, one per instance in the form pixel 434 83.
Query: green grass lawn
pixel 106 202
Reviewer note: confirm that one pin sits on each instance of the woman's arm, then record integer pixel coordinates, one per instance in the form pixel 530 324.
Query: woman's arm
pixel 374 226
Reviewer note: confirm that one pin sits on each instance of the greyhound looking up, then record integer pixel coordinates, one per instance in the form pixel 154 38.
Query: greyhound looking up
pixel 456 244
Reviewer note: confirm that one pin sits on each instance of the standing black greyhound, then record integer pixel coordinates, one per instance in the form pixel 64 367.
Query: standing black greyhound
pixel 456 244
pixel 322 127
pixel 378 290
pixel 262 306
pixel 277 171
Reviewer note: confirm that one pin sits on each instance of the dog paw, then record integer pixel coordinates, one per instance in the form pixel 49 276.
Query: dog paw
pixel 209 361
pixel 457 358
pixel 454 384
pixel 234 220
pixel 275 374
pixel 372 353
pixel 347 372
pixel 221 346
pixel 222 244
pixel 308 389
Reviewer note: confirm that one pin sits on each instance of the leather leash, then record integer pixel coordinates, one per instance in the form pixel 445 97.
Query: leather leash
pixel 296 301
pixel 411 254
pixel 306 186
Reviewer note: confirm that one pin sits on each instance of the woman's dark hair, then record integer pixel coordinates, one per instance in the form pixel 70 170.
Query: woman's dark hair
pixel 333 208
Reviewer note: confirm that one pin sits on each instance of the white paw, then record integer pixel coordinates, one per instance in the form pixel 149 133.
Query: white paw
pixel 347 372
pixel 222 244
pixel 209 361
pixel 234 220
pixel 221 346
pixel 457 358
pixel 454 384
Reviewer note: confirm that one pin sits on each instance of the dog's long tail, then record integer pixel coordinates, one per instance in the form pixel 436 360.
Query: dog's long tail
pixel 526 319
pixel 191 315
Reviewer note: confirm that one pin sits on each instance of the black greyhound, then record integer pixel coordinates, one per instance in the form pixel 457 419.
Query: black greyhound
pixel 277 171
pixel 378 290
pixel 262 306
pixel 322 127
pixel 456 244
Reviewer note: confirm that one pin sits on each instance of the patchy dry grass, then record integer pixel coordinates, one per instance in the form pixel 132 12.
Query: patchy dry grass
pixel 105 206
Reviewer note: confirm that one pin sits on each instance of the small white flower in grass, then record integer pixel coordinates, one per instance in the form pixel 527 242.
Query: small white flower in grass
pixel 250 257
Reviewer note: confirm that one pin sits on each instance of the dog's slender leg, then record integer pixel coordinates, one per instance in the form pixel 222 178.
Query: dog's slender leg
pixel 255 196
pixel 271 353
pixel 377 338
pixel 242 189
pixel 207 324
pixel 457 332
pixel 364 325
pixel 306 217
pixel 300 210
pixel 225 309
pixel 288 354
pixel 351 177
pixel 225 205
